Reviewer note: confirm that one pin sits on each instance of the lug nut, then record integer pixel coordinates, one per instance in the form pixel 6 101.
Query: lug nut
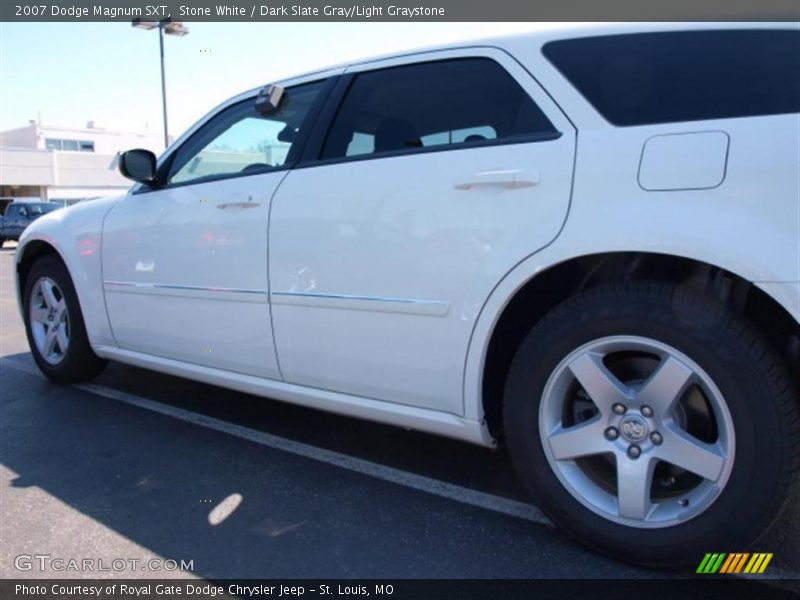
pixel 619 409
pixel 656 438
pixel 612 433
pixel 647 411
pixel 634 451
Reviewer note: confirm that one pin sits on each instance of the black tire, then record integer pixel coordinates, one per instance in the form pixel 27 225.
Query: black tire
pixel 751 376
pixel 79 362
pixel 2 241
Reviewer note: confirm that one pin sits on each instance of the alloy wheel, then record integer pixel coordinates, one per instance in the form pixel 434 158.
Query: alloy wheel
pixel 49 320
pixel 637 432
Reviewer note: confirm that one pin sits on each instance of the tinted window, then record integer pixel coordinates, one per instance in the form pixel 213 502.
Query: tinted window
pixel 444 103
pixel 637 79
pixel 30 209
pixel 57 144
pixel 40 209
pixel 240 140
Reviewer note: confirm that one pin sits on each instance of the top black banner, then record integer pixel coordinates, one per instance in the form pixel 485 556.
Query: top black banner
pixel 400 10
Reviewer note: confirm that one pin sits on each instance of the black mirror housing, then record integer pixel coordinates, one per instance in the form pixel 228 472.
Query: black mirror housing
pixel 138 165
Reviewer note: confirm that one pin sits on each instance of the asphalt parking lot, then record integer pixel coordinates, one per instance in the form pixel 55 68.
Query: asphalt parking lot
pixel 140 466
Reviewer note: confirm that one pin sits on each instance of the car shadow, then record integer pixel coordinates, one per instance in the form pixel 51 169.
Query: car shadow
pixel 239 509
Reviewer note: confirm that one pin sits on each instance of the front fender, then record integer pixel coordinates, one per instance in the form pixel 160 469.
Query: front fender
pixel 74 233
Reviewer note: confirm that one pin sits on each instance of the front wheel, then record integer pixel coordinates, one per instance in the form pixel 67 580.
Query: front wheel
pixel 54 324
pixel 653 424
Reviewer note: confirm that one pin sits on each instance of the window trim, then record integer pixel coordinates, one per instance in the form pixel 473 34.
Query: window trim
pixel 306 132
pixel 319 136
pixel 531 138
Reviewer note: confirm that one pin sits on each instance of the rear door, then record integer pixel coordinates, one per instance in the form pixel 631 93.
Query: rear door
pixel 439 173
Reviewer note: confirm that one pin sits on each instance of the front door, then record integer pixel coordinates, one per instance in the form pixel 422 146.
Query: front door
pixel 435 179
pixel 185 263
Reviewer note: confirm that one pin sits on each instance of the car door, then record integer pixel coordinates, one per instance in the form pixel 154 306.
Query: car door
pixel 16 220
pixel 439 173
pixel 185 260
pixel 8 221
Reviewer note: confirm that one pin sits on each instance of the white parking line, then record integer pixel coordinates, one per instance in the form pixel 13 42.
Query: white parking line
pixel 421 483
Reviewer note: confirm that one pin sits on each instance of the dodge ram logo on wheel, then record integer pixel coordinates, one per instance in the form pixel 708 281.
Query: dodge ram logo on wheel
pixel 633 429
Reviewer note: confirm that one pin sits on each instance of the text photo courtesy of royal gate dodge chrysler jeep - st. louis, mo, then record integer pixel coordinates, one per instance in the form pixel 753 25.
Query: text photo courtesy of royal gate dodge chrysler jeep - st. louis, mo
pixel 402 300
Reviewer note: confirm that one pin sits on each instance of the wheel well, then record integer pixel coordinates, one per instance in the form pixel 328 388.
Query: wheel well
pixel 545 291
pixel 34 250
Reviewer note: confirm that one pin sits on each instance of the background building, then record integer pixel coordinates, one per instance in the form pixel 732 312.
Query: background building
pixel 65 164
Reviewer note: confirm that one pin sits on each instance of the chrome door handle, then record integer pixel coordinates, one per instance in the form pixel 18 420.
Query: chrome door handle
pixel 510 179
pixel 241 201
pixel 238 204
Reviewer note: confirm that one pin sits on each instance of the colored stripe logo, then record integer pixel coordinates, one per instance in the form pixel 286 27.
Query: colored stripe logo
pixel 735 562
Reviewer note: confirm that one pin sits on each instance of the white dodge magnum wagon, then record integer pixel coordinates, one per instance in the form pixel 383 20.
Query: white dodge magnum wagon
pixel 582 244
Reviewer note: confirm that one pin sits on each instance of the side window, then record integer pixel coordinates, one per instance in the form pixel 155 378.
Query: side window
pixel 444 103
pixel 669 77
pixel 242 141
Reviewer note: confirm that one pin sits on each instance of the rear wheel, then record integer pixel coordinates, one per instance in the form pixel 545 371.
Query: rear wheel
pixel 54 324
pixel 652 423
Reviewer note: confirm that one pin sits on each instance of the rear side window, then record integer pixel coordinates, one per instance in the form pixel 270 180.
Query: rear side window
pixel 646 78
pixel 443 104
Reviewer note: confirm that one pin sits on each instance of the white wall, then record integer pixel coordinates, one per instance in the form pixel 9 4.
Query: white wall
pixel 64 174
pixel 105 142
pixel 24 137
pixel 25 161
pixel 26 167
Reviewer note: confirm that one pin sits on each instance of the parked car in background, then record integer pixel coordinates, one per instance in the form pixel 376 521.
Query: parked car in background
pixel 582 244
pixel 19 215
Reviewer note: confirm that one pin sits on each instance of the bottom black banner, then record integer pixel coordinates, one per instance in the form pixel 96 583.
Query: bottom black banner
pixel 707 588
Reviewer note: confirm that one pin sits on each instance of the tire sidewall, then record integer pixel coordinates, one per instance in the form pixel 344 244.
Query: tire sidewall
pixel 699 330
pixel 73 361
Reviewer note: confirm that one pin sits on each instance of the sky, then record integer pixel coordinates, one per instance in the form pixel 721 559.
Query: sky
pixel 65 74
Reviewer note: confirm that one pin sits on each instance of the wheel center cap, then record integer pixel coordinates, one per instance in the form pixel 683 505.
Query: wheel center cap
pixel 633 428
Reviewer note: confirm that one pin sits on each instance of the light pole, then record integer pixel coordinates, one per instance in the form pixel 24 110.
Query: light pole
pixel 168 27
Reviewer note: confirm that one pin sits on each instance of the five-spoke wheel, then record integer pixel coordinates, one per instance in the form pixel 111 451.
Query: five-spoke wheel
pixel 637 431
pixel 652 422
pixel 49 319
pixel 54 323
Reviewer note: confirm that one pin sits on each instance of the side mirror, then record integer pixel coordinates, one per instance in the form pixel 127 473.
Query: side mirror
pixel 139 165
